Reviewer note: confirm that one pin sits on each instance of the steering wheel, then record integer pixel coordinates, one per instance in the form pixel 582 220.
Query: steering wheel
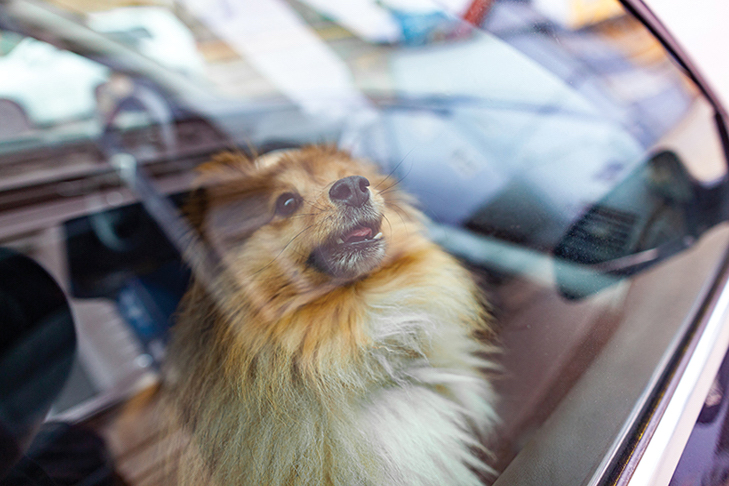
pixel 141 123
pixel 139 120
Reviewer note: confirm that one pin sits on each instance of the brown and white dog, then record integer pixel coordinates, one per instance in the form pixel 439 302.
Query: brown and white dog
pixel 336 345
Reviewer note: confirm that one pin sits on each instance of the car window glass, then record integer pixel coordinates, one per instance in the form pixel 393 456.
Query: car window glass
pixel 562 157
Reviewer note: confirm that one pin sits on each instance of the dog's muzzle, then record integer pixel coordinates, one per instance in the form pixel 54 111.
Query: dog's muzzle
pixel 358 247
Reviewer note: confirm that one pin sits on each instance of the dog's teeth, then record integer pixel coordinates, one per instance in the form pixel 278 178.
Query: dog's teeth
pixel 377 236
pixel 340 241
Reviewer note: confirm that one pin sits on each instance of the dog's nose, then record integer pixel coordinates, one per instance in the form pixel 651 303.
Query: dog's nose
pixel 351 191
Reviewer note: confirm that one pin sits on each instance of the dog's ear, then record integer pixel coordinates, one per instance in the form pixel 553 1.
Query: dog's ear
pixel 225 165
pixel 226 224
pixel 229 223
pixel 221 168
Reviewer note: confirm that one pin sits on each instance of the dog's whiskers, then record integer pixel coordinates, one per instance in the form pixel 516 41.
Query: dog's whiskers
pixel 396 183
pixel 397 166
pixel 388 222
pixel 316 206
pixel 402 215
pixel 400 212
pixel 283 249
pixel 303 215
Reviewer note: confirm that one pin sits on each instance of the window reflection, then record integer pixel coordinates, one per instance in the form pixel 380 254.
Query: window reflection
pixel 565 161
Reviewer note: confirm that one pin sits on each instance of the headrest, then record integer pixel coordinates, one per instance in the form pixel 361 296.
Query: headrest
pixel 37 345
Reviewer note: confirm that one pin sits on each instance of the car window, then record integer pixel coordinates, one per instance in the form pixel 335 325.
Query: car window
pixel 562 157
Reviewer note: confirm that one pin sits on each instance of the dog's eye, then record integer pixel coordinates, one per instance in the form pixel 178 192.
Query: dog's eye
pixel 287 203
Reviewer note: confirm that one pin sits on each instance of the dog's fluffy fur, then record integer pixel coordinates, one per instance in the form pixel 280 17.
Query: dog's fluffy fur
pixel 320 353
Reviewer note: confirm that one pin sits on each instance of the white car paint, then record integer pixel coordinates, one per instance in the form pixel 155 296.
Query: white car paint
pixel 157 34
pixel 53 86
pixel 49 84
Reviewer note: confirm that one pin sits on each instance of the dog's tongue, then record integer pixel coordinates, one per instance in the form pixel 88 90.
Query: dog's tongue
pixel 358 234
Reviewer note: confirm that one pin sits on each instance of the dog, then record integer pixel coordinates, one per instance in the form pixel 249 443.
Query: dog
pixel 334 344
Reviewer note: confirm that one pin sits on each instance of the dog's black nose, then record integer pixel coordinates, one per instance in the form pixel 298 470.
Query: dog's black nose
pixel 351 191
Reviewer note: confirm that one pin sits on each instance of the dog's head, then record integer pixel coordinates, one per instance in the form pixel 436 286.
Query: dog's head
pixel 308 215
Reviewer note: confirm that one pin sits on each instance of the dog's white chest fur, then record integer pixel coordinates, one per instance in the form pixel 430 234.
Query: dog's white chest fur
pixel 422 423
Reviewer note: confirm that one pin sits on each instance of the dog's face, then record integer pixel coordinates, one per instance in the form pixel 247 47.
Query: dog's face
pixel 307 214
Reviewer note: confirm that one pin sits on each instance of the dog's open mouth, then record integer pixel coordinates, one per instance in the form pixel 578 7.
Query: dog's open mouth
pixel 351 253
pixel 360 234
